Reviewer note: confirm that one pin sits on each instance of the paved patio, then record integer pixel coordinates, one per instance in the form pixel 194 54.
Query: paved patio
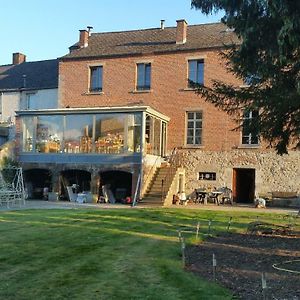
pixel 41 204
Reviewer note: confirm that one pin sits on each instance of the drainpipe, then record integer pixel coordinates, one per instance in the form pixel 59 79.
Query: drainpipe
pixel 1 99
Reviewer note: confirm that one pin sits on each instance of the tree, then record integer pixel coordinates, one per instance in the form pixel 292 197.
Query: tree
pixel 268 59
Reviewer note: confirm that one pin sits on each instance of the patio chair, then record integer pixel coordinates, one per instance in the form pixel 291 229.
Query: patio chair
pixel 226 196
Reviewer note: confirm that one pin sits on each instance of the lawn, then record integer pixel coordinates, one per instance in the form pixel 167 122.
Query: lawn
pixel 106 254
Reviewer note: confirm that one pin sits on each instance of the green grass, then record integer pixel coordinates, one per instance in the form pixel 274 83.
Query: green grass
pixel 106 254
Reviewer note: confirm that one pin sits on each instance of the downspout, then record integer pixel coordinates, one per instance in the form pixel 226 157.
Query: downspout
pixel 1 99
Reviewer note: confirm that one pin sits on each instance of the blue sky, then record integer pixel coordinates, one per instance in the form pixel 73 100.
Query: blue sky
pixel 44 29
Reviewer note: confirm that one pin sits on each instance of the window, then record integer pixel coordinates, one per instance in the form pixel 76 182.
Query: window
pixel 250 129
pixel 78 133
pixel 207 176
pixel 143 77
pixel 194 128
pixel 251 79
pixel 196 71
pixel 96 77
pixel 49 134
pixel 30 101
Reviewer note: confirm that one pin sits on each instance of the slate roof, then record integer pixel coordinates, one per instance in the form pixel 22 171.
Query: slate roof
pixel 39 75
pixel 151 41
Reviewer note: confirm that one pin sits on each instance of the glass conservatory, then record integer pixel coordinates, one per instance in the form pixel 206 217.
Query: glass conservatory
pixel 93 131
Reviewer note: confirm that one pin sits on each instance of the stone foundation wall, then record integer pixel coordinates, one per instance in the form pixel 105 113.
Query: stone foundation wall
pixel 272 172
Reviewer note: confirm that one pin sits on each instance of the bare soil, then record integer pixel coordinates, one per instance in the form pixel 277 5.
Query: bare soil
pixel 241 259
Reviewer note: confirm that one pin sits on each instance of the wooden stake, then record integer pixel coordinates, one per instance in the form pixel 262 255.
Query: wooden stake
pixel 214 263
pixel 209 225
pixel 264 285
pixel 229 223
pixel 183 251
pixel 179 235
pixel 197 230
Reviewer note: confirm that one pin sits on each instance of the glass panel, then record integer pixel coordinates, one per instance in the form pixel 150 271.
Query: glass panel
pixel 200 72
pixel 254 140
pixel 156 142
pixel 190 132
pixel 134 132
pixel 164 138
pixel 197 132
pixel 189 140
pixel 49 134
pixel 254 114
pixel 190 124
pixel 148 135
pixel 245 140
pixel 148 76
pixel 78 134
pixel 198 115
pixel 140 76
pixel 192 70
pixel 96 78
pixel 197 140
pixel 246 114
pixel 198 124
pixel 28 132
pixel 190 116
pixel 109 133
pixel 137 132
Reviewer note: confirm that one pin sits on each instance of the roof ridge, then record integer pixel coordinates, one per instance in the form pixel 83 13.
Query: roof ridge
pixel 30 62
pixel 153 28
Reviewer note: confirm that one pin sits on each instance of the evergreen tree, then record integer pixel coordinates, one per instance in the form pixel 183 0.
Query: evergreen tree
pixel 268 60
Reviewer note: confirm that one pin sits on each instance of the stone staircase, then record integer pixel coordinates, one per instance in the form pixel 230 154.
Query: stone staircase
pixel 153 196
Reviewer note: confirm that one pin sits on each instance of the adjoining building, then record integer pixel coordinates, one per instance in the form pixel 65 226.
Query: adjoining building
pixel 125 103
pixel 25 85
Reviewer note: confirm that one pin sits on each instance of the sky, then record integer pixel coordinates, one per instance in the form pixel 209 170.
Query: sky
pixel 44 29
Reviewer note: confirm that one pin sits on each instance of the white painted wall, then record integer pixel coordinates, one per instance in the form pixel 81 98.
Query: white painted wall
pixel 39 99
pixel 9 104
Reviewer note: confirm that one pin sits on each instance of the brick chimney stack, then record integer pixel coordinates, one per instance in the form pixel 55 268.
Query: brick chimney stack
pixel 83 38
pixel 181 32
pixel 18 58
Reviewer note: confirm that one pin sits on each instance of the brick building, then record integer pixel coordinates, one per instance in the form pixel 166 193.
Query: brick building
pixel 125 102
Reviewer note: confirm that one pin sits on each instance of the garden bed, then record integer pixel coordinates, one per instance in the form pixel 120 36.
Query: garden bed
pixel 241 259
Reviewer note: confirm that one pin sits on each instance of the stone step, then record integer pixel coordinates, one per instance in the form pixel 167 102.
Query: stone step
pixel 153 196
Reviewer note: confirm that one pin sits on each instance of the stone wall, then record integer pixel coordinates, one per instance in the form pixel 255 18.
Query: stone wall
pixel 272 172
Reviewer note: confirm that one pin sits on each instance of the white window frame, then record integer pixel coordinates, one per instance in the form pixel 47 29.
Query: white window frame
pixel 194 120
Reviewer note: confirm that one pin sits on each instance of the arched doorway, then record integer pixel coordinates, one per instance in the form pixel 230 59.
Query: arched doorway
pixel 79 180
pixel 118 182
pixel 35 181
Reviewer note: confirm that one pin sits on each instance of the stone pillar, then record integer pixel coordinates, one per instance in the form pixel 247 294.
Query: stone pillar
pixel 95 184
pixel 55 181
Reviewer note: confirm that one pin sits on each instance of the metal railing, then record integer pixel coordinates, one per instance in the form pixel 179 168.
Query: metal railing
pixel 174 164
pixel 150 172
pixel 134 202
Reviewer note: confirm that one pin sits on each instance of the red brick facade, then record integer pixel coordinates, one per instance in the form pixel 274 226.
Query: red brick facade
pixel 169 93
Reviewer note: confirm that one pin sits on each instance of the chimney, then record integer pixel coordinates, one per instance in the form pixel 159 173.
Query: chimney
pixel 83 38
pixel 18 58
pixel 162 24
pixel 181 32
